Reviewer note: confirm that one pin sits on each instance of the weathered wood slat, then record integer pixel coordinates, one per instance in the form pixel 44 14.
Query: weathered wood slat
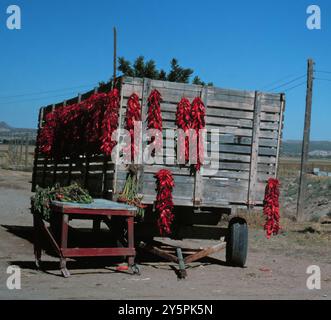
pixel 254 150
pixel 229 122
pixel 239 140
pixel 173 86
pixel 224 104
pixel 218 92
pixel 225 193
pixel 280 131
pixel 237 114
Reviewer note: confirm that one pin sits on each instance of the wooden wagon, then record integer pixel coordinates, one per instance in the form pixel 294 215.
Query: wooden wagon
pixel 250 130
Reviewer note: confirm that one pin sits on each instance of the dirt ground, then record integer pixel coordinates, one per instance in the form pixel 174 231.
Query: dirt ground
pixel 276 268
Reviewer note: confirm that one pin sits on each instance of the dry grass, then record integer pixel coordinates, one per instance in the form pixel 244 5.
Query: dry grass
pixel 298 233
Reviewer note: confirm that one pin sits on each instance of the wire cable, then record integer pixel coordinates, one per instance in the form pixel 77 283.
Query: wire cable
pixel 38 99
pixel 296 86
pixel 45 92
pixel 287 83
pixel 322 71
pixel 323 79
pixel 277 81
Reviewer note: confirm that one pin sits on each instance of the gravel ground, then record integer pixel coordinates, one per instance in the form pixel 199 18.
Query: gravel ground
pixel 276 268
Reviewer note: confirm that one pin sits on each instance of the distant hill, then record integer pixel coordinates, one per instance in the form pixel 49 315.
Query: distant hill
pixel 317 149
pixel 4 127
pixel 7 131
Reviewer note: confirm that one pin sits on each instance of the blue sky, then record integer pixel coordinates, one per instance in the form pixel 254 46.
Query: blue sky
pixel 235 44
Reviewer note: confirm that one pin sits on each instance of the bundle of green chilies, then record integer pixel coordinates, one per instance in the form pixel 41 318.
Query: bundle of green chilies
pixel 41 201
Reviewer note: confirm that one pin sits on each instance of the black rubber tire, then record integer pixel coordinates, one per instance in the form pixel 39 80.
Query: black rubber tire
pixel 237 243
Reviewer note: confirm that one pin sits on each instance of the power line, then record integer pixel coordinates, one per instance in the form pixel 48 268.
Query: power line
pixel 287 83
pixel 323 79
pixel 322 71
pixel 38 99
pixel 45 92
pixel 296 86
pixel 277 81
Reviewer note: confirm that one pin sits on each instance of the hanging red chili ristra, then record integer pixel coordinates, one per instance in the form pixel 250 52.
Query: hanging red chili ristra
pixel 183 121
pixel 46 135
pixel 271 208
pixel 110 122
pixel 95 107
pixel 79 128
pixel 154 116
pixel 133 113
pixel 69 135
pixel 198 113
pixel 164 203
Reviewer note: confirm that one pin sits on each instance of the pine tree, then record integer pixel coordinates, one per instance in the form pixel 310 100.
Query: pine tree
pixel 147 69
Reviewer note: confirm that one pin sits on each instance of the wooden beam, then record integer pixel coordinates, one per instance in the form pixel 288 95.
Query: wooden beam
pixel 254 150
pixel 36 150
pixel 204 253
pixel 158 252
pixel 280 132
pixel 146 90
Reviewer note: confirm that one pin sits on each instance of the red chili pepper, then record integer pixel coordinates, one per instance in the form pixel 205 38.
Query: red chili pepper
pixel 133 113
pixel 183 121
pixel 154 116
pixel 198 113
pixel 164 203
pixel 110 122
pixel 271 208
pixel 84 127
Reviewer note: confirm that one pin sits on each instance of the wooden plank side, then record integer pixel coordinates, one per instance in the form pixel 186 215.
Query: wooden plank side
pixel 224 113
pixel 114 186
pixel 146 90
pixel 241 123
pixel 225 191
pixel 225 104
pixel 254 150
pixel 280 133
pixel 35 175
pixel 219 92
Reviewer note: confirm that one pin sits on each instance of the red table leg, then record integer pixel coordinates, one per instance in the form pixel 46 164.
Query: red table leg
pixel 64 244
pixel 37 243
pixel 131 262
pixel 96 224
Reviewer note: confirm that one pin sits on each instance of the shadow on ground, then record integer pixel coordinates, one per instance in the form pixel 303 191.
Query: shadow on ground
pixel 82 238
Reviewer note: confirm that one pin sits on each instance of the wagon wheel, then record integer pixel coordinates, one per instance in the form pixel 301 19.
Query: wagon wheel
pixel 237 243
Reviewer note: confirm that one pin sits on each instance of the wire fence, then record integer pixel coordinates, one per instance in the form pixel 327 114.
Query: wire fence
pixel 17 152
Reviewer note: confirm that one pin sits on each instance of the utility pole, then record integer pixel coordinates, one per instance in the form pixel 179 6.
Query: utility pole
pixel 21 150
pixel 305 143
pixel 115 56
pixel 26 151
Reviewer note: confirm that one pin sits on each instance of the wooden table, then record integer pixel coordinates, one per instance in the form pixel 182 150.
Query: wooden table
pixel 97 211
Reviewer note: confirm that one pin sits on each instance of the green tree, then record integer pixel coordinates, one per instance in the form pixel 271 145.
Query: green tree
pixel 147 69
pixel 125 67
pixel 178 73
pixel 199 82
